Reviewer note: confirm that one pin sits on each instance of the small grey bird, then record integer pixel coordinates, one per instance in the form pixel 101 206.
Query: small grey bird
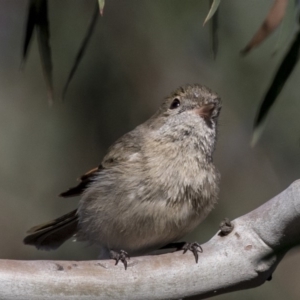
pixel 155 184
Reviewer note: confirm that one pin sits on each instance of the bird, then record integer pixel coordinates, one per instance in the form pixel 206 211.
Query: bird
pixel 155 184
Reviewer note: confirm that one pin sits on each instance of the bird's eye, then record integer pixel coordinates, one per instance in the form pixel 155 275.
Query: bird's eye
pixel 175 104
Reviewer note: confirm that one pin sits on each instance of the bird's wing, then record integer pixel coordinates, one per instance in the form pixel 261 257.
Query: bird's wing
pixel 85 180
pixel 119 152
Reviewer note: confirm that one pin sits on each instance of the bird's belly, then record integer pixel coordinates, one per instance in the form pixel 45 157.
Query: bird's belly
pixel 141 228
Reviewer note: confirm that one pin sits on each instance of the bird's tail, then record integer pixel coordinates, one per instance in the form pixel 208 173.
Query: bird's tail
pixel 51 235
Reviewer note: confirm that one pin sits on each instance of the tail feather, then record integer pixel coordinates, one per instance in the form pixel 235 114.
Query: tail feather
pixel 51 235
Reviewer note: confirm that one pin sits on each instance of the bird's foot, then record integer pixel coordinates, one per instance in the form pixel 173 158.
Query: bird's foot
pixel 120 256
pixel 194 247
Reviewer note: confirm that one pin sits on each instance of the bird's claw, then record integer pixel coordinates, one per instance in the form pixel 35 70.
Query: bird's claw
pixel 194 247
pixel 120 256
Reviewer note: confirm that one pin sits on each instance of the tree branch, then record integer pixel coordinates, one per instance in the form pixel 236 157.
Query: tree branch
pixel 244 259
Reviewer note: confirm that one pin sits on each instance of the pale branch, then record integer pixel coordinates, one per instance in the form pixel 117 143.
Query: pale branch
pixel 244 259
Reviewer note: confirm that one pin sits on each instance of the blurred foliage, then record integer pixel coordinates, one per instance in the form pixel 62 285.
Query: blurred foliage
pixel 281 76
pixel 38 16
pixel 214 5
pixel 38 19
pixel 84 44
pixel 101 6
pixel 139 52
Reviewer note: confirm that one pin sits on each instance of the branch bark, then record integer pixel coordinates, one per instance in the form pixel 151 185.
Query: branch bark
pixel 244 259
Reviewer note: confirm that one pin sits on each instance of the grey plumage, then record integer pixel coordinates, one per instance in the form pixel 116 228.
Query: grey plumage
pixel 156 183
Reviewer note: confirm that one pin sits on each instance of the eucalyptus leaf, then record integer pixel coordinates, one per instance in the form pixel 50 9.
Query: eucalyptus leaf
pixel 271 22
pixel 31 22
pixel 214 34
pixel 213 8
pixel 101 6
pixel 284 71
pixel 38 20
pixel 82 48
pixel 43 36
pixel 284 27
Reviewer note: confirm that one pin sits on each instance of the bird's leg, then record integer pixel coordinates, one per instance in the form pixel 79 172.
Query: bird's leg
pixel 194 247
pixel 120 256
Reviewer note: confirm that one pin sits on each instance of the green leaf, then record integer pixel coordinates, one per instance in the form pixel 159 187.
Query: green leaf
pixel 38 19
pixel 281 37
pixel 43 36
pixel 213 8
pixel 214 34
pixel 82 48
pixel 257 134
pixel 284 71
pixel 271 22
pixel 101 6
pixel 31 22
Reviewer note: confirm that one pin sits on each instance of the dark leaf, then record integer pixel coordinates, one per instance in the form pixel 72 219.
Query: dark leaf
pixel 82 48
pixel 43 35
pixel 31 22
pixel 214 34
pixel 283 73
pixel 271 22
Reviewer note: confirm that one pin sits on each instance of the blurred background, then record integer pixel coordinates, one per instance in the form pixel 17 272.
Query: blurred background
pixel 140 52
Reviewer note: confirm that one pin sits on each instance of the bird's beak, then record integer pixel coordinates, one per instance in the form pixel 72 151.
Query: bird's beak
pixel 205 111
